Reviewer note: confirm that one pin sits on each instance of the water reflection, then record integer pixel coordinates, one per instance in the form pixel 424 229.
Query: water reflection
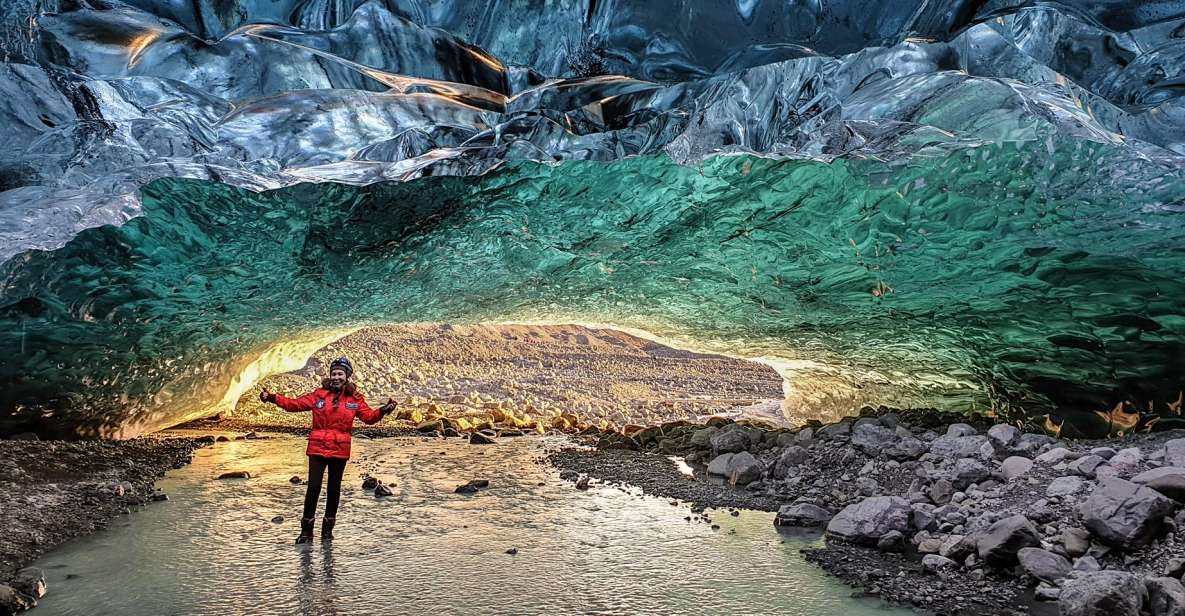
pixel 213 549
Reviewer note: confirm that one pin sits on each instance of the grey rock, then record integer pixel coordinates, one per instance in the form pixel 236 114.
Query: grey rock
pixel 952 447
pixel 1105 453
pixel 1123 514
pixel 802 514
pixel 1087 563
pixel 871 438
pixel 922 517
pixel 744 469
pixel 892 541
pixel 935 563
pixel 1003 435
pixel 1029 445
pixel 1166 597
pixel 1175 568
pixel 1014 467
pixel 941 490
pixel 1065 486
pixel 1174 452
pixel 702 438
pixel 1168 480
pixel 1086 466
pixel 836 430
pixel 730 439
pixel 790 458
pixel 1056 455
pixel 890 420
pixel 867 486
pixel 1045 592
pixel 998 545
pixel 968 471
pixel 1076 541
pixel 1102 593
pixel 866 521
pixel 719 464
pixel 1043 564
pixel 905 448
pixel 960 429
pixel 1127 461
pixel 804 436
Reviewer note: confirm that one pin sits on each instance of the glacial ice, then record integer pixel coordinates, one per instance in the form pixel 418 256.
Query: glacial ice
pixel 962 204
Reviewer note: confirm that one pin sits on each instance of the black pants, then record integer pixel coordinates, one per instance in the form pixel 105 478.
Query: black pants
pixel 317 466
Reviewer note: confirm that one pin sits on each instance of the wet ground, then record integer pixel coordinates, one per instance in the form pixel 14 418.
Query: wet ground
pixel 213 547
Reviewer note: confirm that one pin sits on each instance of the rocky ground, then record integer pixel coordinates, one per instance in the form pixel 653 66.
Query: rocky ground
pixel 951 519
pixel 55 491
pixel 604 377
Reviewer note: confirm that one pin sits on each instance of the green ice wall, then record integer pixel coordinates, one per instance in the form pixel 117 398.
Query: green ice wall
pixel 1006 276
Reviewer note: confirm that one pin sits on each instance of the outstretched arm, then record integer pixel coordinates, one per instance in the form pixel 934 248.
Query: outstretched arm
pixel 373 416
pixel 292 405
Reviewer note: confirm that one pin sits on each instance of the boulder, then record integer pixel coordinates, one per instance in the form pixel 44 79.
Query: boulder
pixel 1102 593
pixel 952 447
pixel 719 464
pixel 790 457
pixel 1003 435
pixel 835 430
pixel 702 438
pixel 235 475
pixel 1043 564
pixel 960 429
pixel 1174 452
pixel 743 469
pixel 1166 597
pixel 1065 486
pixel 892 541
pixel 1127 461
pixel 1168 480
pixel 481 438
pixel 935 563
pixel 1029 445
pixel 1076 541
pixel 998 545
pixel 802 514
pixel 1086 466
pixel 1057 455
pixel 872 438
pixel 1123 514
pixel 968 471
pixel 866 521
pixel 905 448
pixel 1015 466
pixel 940 491
pixel 731 439
pixel 1175 568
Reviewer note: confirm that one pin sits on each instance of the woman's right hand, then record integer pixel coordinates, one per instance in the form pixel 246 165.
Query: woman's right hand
pixel 266 396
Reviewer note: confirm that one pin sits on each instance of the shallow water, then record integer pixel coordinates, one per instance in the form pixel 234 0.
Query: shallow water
pixel 212 548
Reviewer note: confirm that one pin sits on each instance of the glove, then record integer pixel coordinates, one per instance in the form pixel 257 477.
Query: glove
pixel 267 396
pixel 386 408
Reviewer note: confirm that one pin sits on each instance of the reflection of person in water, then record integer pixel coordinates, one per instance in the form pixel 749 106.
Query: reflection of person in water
pixel 335 405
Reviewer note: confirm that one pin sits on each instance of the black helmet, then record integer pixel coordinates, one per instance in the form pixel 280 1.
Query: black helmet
pixel 344 364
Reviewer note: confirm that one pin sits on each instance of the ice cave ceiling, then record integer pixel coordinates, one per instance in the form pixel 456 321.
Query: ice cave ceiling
pixel 920 202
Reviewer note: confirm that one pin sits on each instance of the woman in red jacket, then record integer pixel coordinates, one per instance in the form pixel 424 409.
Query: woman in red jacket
pixel 335 405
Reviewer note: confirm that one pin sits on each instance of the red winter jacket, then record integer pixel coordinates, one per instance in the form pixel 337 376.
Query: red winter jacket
pixel 333 418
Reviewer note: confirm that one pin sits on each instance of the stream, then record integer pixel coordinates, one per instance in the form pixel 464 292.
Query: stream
pixel 214 549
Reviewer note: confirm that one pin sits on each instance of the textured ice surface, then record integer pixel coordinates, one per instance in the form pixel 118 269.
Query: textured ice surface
pixel 956 203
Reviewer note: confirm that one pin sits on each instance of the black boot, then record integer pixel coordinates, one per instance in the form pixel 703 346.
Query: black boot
pixel 327 528
pixel 306 531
